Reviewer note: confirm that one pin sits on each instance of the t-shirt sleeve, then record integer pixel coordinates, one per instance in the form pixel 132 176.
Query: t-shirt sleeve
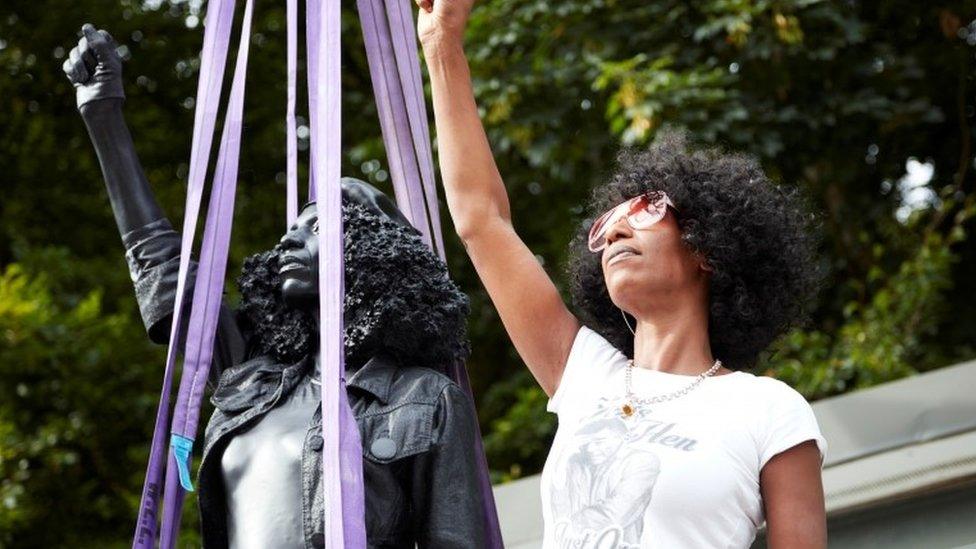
pixel 583 369
pixel 789 422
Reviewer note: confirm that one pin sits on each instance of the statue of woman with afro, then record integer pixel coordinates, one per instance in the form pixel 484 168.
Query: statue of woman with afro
pixel 260 479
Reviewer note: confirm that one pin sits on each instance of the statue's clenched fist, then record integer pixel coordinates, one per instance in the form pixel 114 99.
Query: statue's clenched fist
pixel 94 67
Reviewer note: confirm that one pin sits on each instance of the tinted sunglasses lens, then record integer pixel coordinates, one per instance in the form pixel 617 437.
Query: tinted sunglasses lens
pixel 648 211
pixel 599 229
pixel 597 232
pixel 641 211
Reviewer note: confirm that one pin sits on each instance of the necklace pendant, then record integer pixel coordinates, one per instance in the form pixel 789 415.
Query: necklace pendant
pixel 627 410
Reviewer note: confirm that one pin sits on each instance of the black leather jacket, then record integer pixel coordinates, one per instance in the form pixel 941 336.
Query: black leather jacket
pixel 423 489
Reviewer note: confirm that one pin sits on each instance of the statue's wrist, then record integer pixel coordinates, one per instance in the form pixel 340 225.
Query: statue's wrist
pixel 99 108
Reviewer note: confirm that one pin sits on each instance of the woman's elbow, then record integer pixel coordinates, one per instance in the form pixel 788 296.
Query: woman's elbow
pixel 473 226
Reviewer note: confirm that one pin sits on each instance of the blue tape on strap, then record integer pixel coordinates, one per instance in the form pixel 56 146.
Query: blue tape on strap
pixel 182 450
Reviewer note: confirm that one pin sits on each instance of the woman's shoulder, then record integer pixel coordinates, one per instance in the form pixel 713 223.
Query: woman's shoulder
pixel 591 346
pixel 763 398
pixel 781 416
pixel 766 387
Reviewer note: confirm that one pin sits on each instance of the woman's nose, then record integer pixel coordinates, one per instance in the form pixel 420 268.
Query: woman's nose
pixel 619 229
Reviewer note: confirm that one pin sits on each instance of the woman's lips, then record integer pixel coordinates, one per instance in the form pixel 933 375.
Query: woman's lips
pixel 622 256
pixel 620 252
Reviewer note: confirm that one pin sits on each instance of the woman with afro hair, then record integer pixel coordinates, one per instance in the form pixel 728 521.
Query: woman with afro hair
pixel 692 263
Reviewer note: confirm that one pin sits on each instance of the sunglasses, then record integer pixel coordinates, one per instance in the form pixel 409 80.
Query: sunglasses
pixel 641 212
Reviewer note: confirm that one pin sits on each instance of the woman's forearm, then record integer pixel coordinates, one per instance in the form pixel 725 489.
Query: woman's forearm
pixel 131 197
pixel 475 192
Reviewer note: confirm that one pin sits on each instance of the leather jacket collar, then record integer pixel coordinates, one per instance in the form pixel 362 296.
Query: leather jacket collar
pixel 375 377
pixel 255 381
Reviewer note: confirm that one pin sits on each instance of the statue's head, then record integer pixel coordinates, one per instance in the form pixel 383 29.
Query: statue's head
pixel 299 247
pixel 398 297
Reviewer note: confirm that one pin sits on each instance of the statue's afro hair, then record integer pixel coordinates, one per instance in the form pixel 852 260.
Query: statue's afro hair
pixel 399 300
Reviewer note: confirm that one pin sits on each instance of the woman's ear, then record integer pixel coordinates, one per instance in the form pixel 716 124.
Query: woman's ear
pixel 703 264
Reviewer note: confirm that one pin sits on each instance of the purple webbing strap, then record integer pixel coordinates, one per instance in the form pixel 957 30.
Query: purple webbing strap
pixel 312 24
pixel 291 178
pixel 403 37
pixel 394 119
pixel 220 14
pixel 391 50
pixel 207 296
pixel 342 454
pixel 405 45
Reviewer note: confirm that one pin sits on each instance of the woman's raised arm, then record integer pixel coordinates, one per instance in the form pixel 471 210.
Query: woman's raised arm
pixel 538 322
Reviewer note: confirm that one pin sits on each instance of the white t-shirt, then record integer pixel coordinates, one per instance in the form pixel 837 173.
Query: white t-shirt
pixel 683 473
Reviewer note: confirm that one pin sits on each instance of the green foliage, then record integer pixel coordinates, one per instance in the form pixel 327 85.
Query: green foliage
pixel 881 339
pixel 833 97
pixel 522 435
pixel 72 408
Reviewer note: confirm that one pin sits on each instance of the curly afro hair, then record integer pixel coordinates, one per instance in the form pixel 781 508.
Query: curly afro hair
pixel 399 300
pixel 758 238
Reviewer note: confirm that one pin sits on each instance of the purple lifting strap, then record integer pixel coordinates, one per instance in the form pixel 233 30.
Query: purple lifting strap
pixel 394 119
pixel 220 15
pixel 312 24
pixel 402 27
pixel 291 206
pixel 342 454
pixel 207 295
pixel 391 50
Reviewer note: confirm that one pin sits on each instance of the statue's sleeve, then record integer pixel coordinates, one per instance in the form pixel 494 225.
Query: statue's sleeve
pixel 448 502
pixel 153 255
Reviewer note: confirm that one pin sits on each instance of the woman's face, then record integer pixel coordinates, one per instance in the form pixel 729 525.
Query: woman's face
pixel 298 264
pixel 652 261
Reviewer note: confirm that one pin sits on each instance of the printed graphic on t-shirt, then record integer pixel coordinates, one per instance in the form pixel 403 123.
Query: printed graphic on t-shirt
pixel 610 468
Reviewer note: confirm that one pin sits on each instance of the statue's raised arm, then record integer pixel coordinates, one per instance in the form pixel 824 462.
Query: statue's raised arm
pixel 152 246
pixel 95 68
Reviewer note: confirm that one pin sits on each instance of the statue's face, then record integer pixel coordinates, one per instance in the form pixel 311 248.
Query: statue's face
pixel 298 264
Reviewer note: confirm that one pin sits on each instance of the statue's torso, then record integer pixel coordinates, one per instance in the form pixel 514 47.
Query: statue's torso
pixel 261 473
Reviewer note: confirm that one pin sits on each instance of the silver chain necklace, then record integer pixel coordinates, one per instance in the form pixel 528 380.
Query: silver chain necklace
pixel 631 402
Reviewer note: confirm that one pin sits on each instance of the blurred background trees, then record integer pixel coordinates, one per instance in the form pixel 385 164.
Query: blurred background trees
pixel 869 107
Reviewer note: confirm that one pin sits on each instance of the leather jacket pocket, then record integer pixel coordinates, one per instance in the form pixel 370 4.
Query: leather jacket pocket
pixel 396 433
pixel 393 440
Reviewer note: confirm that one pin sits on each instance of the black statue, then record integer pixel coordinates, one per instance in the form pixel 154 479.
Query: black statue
pixel 260 477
